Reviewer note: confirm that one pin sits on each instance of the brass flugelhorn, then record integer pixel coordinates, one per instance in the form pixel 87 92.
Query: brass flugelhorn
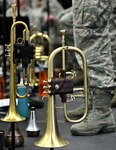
pixel 17 52
pixel 63 75
pixel 62 86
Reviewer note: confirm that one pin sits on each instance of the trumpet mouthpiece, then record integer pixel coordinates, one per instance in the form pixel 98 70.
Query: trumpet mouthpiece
pixel 14 9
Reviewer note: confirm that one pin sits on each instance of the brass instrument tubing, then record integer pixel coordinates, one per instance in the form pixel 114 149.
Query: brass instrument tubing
pixel 63 49
pixel 14 19
pixel 50 75
pixel 13 123
pixel 26 32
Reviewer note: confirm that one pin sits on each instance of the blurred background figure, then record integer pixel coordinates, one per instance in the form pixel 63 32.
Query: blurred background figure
pixel 23 10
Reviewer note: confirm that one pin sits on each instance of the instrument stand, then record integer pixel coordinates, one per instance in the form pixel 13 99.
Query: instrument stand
pixel 13 135
pixel 12 147
pixel 14 138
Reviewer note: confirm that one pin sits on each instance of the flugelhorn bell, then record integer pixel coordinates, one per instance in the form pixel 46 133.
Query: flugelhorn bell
pixel 51 137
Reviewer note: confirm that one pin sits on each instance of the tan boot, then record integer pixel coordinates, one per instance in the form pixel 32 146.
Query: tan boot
pixel 77 113
pixel 100 119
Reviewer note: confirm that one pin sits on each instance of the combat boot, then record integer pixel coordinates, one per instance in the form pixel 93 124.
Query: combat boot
pixel 78 112
pixel 100 118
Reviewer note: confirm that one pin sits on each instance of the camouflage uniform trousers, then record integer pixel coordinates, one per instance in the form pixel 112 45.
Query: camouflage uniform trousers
pixel 113 37
pixel 113 48
pixel 66 23
pixel 91 34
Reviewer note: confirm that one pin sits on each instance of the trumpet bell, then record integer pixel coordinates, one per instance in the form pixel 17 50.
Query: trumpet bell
pixel 12 116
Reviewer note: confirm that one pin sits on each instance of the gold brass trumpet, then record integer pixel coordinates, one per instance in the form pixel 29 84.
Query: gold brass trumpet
pixel 39 52
pixel 40 49
pixel 62 86
pixel 12 115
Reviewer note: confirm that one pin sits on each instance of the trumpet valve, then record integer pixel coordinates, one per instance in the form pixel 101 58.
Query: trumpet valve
pixel 38 52
pixel 45 82
pixel 47 87
pixel 39 49
pixel 46 92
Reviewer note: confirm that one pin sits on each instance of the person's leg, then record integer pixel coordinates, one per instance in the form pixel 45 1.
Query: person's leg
pixel 66 23
pixel 113 47
pixel 91 34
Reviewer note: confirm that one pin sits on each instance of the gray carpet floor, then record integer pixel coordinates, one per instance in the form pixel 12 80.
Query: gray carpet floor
pixel 96 142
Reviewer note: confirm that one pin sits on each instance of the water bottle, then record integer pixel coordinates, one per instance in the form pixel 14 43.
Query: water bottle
pixel 22 104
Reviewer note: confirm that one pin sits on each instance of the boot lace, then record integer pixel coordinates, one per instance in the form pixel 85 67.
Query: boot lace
pixel 90 116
